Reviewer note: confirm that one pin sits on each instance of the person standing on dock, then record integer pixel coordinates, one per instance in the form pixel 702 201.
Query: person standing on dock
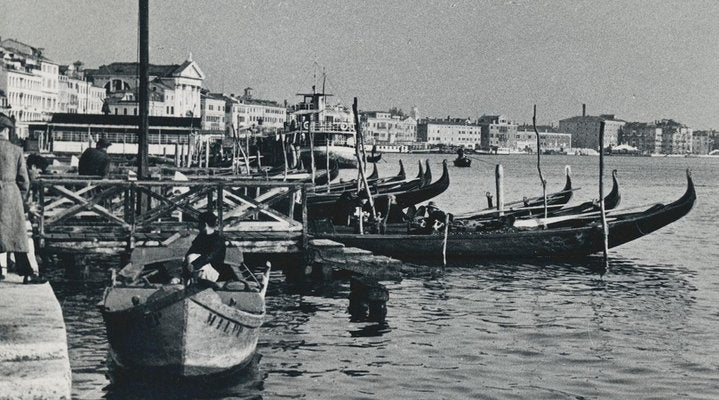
pixel 14 185
pixel 206 257
pixel 95 161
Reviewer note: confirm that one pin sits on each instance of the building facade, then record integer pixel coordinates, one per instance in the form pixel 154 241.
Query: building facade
pixel 498 133
pixel 704 142
pixel 384 128
pixel 213 112
pixel 176 86
pixel 76 95
pixel 450 132
pixel 646 138
pixel 526 141
pixel 676 137
pixel 247 112
pixel 585 130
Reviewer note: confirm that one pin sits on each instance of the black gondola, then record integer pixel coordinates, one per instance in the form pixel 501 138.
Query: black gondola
pixel 580 237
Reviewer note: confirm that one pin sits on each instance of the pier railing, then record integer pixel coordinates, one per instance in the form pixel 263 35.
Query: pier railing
pixel 104 215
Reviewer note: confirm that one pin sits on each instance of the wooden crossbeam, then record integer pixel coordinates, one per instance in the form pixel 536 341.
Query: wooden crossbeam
pixel 172 203
pixel 83 204
pixel 63 200
pixel 255 206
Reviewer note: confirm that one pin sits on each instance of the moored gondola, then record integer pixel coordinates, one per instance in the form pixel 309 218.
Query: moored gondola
pixel 580 236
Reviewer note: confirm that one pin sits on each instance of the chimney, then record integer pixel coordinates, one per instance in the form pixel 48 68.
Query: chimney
pixel 584 110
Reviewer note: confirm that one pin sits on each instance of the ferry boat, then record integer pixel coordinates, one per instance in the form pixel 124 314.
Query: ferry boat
pixel 331 129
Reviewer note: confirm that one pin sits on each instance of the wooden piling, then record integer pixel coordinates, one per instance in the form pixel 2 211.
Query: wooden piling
pixel 499 178
pixel 605 228
pixel 539 167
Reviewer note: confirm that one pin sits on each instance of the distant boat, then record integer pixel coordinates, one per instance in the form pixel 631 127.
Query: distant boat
pixel 194 331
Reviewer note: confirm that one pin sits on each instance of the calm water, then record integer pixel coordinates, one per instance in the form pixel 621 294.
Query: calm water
pixel 646 329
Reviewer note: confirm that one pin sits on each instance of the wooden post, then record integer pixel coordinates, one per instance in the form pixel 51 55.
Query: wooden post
pixel 327 160
pixel 293 197
pixel 284 155
pixel 539 168
pixel 207 154
pixel 359 161
pixel 499 178
pixel 605 228
pixel 305 239
pixel 220 204
pixel 143 132
pixel 177 155
pixel 444 243
pixel 41 203
pixel 359 213
pixel 312 154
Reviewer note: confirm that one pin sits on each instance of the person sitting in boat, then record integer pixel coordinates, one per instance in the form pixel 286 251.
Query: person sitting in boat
pixel 205 260
pixel 428 219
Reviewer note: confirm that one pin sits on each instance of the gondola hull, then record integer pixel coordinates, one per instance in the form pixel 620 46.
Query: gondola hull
pixel 583 239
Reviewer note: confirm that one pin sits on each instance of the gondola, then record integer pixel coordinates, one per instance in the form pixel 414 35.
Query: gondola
pixel 171 330
pixel 464 162
pixel 374 158
pixel 525 207
pixel 579 237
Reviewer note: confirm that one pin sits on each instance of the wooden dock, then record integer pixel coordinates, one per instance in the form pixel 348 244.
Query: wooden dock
pixel 79 216
pixel 34 361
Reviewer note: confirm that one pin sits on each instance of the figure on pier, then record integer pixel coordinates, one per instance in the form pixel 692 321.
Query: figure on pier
pixel 14 185
pixel 95 161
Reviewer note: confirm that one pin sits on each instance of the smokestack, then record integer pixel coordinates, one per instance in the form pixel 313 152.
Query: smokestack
pixel 584 110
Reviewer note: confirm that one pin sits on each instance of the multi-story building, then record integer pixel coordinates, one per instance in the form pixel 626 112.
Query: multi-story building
pixel 385 128
pixel 549 139
pixel 176 86
pixel 450 132
pixel 676 137
pixel 247 111
pixel 30 82
pixel 498 133
pixel 213 112
pixel 646 138
pixel 77 95
pixel 704 142
pixel 585 130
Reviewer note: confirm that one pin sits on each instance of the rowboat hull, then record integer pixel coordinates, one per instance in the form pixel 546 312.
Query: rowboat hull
pixel 185 334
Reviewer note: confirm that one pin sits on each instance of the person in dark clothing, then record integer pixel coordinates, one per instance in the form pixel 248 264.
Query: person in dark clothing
pixel 206 257
pixel 95 161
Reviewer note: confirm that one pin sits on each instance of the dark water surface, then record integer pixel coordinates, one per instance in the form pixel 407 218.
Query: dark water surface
pixel 649 328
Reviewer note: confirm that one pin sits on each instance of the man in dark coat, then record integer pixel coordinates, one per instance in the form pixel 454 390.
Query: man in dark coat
pixel 95 161
pixel 206 257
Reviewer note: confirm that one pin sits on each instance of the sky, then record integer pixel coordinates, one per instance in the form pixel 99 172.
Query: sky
pixel 640 60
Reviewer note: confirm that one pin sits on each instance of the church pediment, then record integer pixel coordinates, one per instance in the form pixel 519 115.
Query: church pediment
pixel 189 69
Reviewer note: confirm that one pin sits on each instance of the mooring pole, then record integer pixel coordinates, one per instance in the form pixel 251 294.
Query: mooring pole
pixel 539 168
pixel 358 132
pixel 144 125
pixel 444 243
pixel 605 228
pixel 499 178
pixel 327 159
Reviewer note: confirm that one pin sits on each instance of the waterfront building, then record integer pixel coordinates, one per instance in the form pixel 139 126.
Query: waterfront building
pixel 176 86
pixel 30 82
pixel 450 132
pixel 213 112
pixel 498 133
pixel 76 94
pixel 645 137
pixel 676 137
pixel 384 128
pixel 549 139
pixel 585 130
pixel 246 112
pixel 705 141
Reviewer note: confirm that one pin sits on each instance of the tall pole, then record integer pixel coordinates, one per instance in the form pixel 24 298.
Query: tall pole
pixel 605 228
pixel 539 168
pixel 143 132
pixel 358 133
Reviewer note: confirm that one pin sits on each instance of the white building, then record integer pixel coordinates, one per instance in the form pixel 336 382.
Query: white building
pixel 450 132
pixel 76 95
pixel 246 111
pixel 213 112
pixel 384 128
pixel 176 86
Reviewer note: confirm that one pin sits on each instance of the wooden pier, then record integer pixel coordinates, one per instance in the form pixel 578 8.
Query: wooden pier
pixel 77 215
